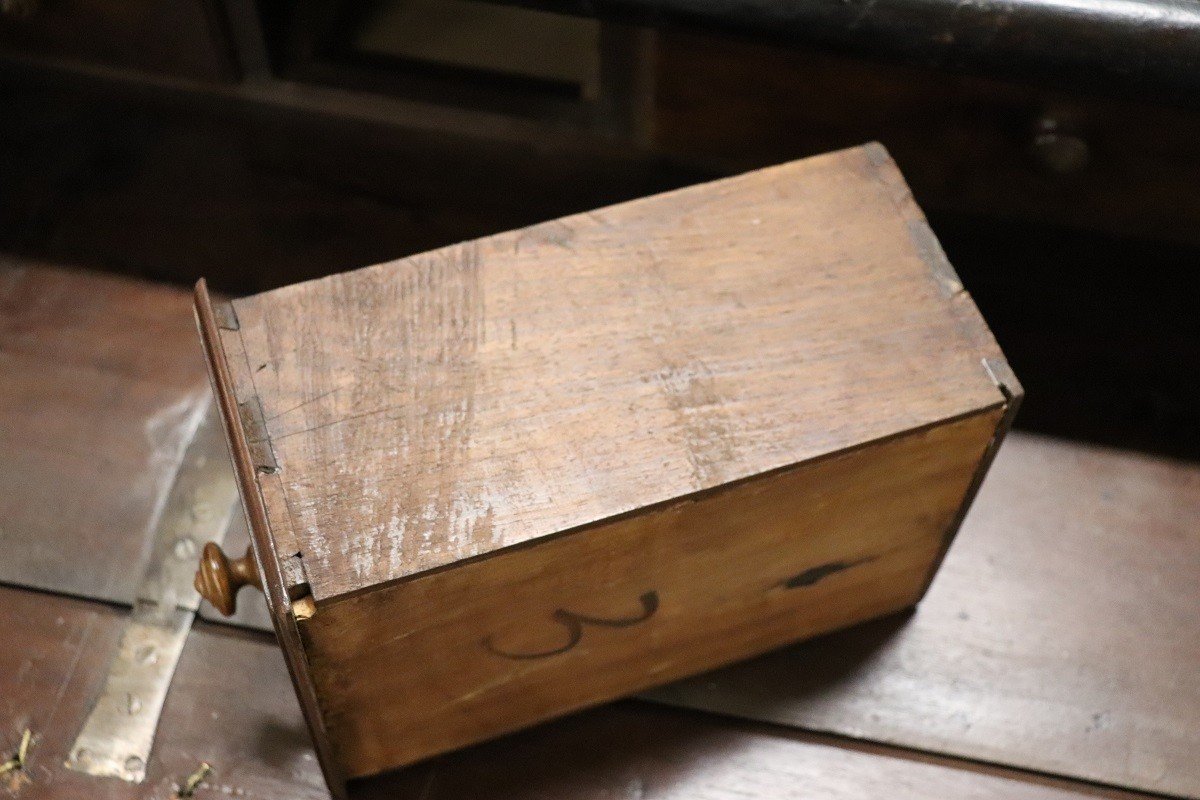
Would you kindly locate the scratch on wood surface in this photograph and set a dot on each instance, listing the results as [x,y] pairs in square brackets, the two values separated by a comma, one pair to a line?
[416,336]
[66,681]
[304,403]
[692,396]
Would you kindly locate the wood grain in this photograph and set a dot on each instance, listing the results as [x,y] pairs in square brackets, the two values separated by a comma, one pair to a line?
[629,751]
[231,704]
[459,655]
[482,396]
[1061,635]
[103,384]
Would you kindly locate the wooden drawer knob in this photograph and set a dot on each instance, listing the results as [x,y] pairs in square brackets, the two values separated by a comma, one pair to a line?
[219,578]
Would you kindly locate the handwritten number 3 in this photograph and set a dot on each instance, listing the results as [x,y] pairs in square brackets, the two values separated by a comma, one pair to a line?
[574,624]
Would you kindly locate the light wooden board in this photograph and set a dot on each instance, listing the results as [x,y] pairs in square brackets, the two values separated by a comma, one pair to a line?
[1062,633]
[481,396]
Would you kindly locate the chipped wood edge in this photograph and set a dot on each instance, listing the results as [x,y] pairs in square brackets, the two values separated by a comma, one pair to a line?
[973,327]
[925,244]
[971,324]
[278,602]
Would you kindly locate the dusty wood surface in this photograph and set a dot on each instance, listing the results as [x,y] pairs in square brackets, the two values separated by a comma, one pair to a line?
[464,654]
[249,469]
[481,396]
[102,383]
[1062,634]
[231,705]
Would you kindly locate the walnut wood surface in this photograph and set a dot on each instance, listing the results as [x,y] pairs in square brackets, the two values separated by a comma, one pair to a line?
[464,654]
[231,705]
[481,396]
[102,381]
[1061,635]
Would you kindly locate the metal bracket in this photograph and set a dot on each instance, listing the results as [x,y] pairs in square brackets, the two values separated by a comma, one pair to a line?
[118,735]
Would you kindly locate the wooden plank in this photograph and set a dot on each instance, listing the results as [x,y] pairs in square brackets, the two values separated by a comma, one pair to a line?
[460,655]
[630,750]
[232,706]
[481,396]
[262,540]
[1062,633]
[103,382]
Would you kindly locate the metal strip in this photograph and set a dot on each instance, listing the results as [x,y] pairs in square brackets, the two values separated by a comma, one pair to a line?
[118,735]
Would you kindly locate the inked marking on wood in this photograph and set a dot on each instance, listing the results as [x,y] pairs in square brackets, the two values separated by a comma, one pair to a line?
[574,624]
[822,571]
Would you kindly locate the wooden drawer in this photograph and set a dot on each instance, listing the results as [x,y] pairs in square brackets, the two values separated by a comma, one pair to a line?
[183,38]
[504,480]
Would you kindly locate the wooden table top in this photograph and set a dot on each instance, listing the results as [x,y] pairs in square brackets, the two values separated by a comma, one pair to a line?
[1056,652]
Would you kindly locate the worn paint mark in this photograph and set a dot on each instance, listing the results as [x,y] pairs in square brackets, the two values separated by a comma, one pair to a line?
[814,575]
[555,232]
[573,623]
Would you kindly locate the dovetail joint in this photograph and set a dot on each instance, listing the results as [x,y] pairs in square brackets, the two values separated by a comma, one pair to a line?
[257,440]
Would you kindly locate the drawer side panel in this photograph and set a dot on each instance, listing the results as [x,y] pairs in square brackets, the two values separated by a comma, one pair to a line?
[456,656]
